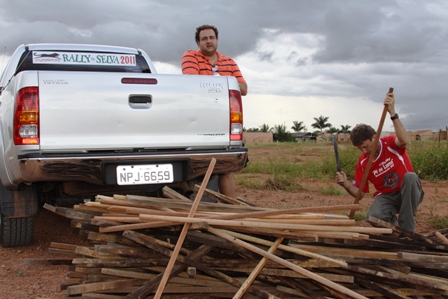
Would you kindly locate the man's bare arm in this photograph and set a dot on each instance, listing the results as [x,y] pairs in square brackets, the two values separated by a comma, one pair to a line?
[341,177]
[402,139]
[243,88]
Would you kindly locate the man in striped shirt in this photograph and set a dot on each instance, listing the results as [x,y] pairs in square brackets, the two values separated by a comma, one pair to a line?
[208,61]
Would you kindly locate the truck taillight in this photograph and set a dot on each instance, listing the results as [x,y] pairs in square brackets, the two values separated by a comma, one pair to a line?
[236,115]
[26,117]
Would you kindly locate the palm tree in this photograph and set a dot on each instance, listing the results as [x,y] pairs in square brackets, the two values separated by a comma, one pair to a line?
[345,129]
[265,128]
[280,134]
[332,130]
[321,123]
[298,126]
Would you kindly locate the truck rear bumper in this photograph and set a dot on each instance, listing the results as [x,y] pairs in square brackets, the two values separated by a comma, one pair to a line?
[92,168]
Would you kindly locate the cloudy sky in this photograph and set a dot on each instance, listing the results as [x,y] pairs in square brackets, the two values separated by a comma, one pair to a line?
[301,58]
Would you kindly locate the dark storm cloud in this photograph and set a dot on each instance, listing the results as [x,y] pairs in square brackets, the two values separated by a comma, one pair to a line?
[393,42]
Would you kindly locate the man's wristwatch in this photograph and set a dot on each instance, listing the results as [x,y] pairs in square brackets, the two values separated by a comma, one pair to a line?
[394,117]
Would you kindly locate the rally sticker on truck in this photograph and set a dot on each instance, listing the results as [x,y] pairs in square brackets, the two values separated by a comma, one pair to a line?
[83,58]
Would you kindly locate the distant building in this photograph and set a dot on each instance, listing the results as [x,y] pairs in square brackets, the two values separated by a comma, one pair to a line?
[303,137]
[257,137]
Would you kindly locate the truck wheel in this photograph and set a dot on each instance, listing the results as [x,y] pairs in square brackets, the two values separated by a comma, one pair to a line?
[17,231]
[17,210]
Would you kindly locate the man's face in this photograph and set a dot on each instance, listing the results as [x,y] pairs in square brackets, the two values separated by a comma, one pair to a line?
[208,43]
[367,146]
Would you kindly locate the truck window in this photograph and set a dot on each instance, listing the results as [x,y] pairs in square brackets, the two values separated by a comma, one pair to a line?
[82,62]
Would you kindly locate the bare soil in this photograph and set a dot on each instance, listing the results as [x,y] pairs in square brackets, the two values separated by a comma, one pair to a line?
[21,280]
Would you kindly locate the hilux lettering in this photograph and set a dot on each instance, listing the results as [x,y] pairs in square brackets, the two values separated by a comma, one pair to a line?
[212,87]
[56,81]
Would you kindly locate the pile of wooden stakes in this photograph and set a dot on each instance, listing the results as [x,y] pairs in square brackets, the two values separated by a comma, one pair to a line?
[173,247]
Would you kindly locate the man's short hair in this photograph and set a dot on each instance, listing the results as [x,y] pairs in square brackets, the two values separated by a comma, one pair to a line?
[203,27]
[361,133]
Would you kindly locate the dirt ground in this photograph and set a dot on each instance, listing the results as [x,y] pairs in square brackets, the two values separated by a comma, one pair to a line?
[21,280]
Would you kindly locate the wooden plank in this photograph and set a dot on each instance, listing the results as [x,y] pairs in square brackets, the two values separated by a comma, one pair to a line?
[126,251]
[291,249]
[288,264]
[332,251]
[101,286]
[273,212]
[422,257]
[118,263]
[170,193]
[155,244]
[441,237]
[136,226]
[63,246]
[261,225]
[383,289]
[85,251]
[147,288]
[412,235]
[242,290]
[220,197]
[400,277]
[300,235]
[292,274]
[155,202]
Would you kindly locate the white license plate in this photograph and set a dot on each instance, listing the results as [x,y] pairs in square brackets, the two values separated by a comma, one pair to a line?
[144,174]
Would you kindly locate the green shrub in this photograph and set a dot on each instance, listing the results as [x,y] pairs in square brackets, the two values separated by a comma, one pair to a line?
[430,160]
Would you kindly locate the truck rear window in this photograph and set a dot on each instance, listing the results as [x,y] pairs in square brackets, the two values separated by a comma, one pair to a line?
[82,62]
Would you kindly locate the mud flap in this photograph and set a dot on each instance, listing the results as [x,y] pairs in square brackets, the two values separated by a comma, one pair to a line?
[212,185]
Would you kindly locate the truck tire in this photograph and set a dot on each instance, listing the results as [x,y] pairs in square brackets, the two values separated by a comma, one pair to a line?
[17,231]
[17,211]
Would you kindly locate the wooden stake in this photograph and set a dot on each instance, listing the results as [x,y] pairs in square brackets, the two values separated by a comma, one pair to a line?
[442,238]
[256,271]
[184,232]
[371,157]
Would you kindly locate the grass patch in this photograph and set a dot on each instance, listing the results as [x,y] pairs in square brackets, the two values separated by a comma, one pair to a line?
[428,158]
[360,215]
[332,190]
[438,222]
[276,181]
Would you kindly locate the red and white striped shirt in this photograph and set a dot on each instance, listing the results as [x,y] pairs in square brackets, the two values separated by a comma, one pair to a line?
[194,63]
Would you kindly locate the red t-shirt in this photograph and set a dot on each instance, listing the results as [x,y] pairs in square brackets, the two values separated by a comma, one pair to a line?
[387,171]
[194,63]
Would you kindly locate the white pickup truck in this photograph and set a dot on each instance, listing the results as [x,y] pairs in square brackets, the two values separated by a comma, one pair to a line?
[81,120]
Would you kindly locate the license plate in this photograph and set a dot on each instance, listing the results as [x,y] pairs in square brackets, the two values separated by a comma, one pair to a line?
[144,174]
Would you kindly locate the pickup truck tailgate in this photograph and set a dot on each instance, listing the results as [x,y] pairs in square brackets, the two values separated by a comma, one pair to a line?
[91,111]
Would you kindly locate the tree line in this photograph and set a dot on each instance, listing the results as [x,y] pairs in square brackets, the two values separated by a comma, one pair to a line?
[281,133]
